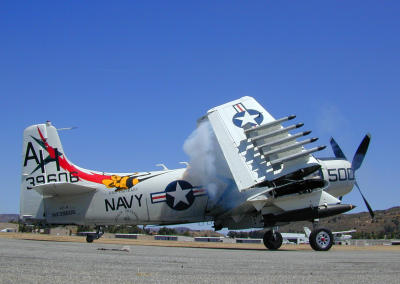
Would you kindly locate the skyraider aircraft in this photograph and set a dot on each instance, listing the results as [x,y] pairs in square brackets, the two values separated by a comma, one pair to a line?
[257,175]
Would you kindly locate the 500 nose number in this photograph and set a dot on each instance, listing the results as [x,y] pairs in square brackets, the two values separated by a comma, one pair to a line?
[341,174]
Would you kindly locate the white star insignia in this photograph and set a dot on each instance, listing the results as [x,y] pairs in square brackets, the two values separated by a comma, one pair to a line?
[248,118]
[179,195]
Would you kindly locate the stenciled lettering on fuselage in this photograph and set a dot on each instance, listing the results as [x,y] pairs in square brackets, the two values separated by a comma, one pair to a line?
[246,116]
[123,202]
[63,213]
[179,195]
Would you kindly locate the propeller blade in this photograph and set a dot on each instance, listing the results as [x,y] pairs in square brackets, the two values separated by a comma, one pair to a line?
[336,149]
[360,153]
[371,212]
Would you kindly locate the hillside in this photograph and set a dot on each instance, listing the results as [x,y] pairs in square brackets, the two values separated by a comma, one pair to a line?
[5,218]
[386,222]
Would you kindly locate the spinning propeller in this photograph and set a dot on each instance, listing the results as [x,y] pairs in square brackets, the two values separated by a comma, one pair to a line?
[356,163]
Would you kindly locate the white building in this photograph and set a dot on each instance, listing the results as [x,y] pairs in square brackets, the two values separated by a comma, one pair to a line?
[293,238]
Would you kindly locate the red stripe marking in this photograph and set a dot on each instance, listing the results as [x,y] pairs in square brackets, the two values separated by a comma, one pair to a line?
[159,197]
[239,107]
[64,163]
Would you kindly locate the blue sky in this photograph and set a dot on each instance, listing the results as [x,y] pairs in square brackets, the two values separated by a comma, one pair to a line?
[134,77]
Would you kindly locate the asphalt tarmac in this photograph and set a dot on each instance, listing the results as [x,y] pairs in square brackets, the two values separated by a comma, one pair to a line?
[27,261]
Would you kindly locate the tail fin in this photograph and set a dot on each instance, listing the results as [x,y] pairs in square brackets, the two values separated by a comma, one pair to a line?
[41,148]
[45,170]
[38,167]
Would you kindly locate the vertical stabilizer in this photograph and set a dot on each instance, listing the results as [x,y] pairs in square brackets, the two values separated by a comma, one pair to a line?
[43,164]
[38,167]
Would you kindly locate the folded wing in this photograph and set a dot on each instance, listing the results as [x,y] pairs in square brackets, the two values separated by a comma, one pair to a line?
[259,150]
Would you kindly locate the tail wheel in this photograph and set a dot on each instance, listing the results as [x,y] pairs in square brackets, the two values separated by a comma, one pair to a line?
[321,239]
[89,238]
[272,240]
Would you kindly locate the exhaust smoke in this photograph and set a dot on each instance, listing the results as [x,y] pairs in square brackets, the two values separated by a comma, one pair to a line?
[206,161]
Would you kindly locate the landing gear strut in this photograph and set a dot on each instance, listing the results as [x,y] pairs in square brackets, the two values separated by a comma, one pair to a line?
[321,239]
[272,240]
[95,236]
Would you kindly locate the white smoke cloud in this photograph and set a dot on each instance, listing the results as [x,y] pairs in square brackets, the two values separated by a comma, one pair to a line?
[206,160]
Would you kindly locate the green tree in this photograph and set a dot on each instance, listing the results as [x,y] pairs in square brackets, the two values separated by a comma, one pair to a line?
[167,231]
[82,228]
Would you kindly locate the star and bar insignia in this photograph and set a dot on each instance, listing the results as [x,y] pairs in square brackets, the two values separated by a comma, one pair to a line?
[245,116]
[179,195]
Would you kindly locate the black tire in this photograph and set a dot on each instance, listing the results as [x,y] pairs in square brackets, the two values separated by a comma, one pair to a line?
[321,239]
[272,241]
[89,238]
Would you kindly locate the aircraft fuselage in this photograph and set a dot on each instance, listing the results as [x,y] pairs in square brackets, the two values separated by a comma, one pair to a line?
[146,203]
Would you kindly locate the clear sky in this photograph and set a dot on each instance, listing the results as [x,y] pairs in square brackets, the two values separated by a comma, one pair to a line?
[134,76]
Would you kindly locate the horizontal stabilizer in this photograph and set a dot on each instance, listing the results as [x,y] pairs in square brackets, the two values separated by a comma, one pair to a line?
[62,189]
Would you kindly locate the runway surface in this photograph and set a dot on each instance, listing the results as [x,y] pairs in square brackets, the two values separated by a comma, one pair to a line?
[30,261]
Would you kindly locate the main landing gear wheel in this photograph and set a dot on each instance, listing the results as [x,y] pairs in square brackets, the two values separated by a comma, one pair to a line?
[321,239]
[272,240]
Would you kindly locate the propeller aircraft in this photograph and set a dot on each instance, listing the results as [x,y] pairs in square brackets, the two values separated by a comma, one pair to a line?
[254,172]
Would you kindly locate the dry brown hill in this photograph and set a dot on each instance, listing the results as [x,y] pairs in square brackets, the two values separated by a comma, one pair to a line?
[9,218]
[386,222]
